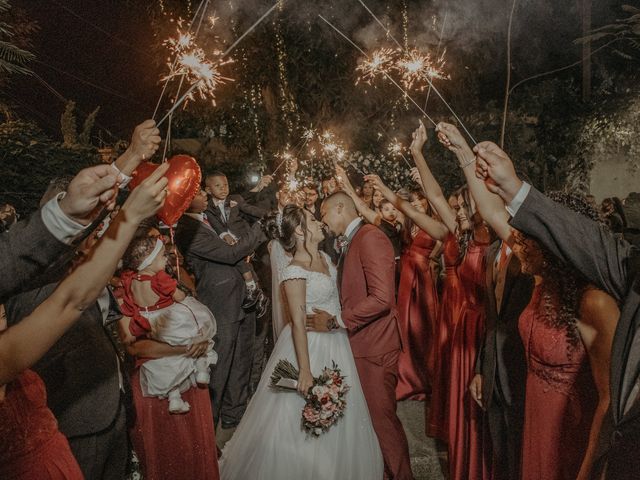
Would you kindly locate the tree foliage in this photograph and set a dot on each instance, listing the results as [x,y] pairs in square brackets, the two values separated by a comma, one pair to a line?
[29,159]
[13,59]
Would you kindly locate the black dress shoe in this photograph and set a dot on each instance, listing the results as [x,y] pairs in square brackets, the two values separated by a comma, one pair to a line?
[263,305]
[251,298]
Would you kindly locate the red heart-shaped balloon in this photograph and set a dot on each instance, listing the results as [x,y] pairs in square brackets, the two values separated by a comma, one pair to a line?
[184,177]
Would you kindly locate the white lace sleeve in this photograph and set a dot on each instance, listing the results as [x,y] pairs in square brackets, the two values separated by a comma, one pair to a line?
[294,272]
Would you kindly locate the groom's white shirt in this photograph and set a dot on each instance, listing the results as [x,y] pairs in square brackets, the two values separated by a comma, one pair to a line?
[348,231]
[352,226]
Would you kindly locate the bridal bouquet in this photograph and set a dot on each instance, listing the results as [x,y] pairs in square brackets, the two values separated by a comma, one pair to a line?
[325,401]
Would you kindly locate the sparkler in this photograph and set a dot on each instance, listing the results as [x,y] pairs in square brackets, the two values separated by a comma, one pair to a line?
[194,64]
[395,148]
[201,7]
[431,85]
[415,66]
[381,61]
[382,71]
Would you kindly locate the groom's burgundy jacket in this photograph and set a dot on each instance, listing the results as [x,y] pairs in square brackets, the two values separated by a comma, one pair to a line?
[367,294]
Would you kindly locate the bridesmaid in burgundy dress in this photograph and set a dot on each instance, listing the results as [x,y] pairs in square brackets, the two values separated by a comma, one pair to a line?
[469,450]
[463,321]
[567,330]
[417,296]
[451,300]
[31,446]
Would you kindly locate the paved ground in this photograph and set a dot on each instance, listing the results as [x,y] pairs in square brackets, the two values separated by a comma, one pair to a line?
[428,459]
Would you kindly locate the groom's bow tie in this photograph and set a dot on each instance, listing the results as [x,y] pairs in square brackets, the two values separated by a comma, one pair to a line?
[341,243]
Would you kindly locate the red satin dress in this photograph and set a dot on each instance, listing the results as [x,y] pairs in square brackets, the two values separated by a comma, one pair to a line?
[168,446]
[452,298]
[417,310]
[561,398]
[469,444]
[31,446]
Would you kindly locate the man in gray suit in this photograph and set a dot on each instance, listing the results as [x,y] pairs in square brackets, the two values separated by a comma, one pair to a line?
[608,263]
[220,287]
[501,368]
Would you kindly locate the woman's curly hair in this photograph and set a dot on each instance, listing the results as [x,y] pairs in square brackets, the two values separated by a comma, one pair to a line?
[282,226]
[563,285]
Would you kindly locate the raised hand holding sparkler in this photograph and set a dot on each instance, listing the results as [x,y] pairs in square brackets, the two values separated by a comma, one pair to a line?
[452,139]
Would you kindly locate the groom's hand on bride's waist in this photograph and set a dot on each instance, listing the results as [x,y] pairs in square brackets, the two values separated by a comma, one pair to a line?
[321,321]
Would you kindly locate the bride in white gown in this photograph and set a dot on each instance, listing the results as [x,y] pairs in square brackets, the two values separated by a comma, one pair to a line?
[270,443]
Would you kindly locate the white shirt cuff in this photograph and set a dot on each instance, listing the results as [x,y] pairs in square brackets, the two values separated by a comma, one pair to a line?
[224,234]
[340,322]
[62,227]
[519,199]
[123,178]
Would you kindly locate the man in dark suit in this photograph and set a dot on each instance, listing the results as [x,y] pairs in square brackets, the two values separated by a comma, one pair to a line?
[610,264]
[84,385]
[220,287]
[501,368]
[229,216]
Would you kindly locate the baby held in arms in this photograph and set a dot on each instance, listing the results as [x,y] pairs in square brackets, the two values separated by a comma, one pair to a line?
[159,311]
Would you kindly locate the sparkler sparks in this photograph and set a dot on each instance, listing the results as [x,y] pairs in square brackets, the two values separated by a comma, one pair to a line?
[414,66]
[380,61]
[199,71]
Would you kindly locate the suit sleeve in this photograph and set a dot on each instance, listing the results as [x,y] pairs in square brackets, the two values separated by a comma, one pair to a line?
[576,240]
[25,252]
[377,259]
[248,209]
[212,248]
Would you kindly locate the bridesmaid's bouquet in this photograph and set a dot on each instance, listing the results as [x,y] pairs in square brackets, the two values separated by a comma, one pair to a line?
[325,400]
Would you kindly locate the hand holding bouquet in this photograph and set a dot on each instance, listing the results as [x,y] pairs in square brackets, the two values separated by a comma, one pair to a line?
[325,401]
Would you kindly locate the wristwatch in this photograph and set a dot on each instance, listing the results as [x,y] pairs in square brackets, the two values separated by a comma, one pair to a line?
[332,324]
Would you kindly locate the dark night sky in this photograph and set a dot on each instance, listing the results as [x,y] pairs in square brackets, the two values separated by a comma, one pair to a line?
[101,59]
[98,53]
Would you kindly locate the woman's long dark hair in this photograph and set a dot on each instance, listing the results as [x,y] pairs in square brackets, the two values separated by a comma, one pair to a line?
[464,237]
[282,227]
[563,285]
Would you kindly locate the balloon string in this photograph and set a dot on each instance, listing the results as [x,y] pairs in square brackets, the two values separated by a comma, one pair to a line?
[175,252]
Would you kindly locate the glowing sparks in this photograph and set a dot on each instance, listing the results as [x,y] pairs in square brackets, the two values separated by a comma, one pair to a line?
[395,148]
[191,63]
[308,134]
[380,62]
[412,66]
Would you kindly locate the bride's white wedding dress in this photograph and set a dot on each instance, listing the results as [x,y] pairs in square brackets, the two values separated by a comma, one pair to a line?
[270,444]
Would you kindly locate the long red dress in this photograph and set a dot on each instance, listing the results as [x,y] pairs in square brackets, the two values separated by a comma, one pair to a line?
[451,300]
[31,446]
[417,309]
[561,398]
[469,444]
[168,446]
[174,446]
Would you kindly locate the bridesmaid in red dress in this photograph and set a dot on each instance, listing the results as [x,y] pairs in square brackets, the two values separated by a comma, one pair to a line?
[463,320]
[169,446]
[469,450]
[451,300]
[417,297]
[31,446]
[567,331]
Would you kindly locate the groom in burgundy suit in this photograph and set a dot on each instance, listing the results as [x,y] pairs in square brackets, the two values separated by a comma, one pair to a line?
[366,280]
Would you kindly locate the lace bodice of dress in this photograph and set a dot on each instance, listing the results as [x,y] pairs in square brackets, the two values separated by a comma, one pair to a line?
[322,289]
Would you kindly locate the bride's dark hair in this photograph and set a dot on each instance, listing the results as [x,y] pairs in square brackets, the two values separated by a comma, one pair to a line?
[282,227]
